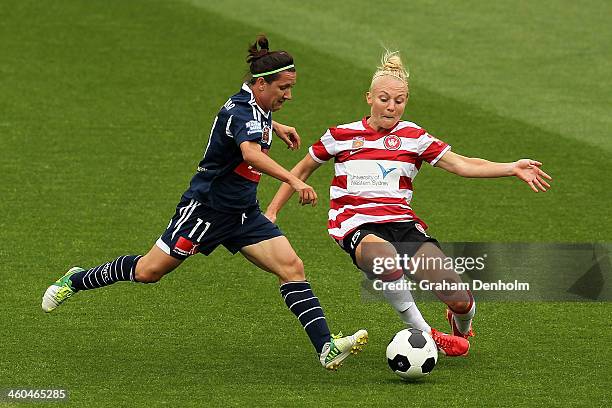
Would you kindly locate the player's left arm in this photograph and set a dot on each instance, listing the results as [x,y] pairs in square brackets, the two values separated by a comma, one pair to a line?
[525,169]
[287,134]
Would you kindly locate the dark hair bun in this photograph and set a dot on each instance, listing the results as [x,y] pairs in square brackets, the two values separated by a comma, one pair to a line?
[258,49]
[261,60]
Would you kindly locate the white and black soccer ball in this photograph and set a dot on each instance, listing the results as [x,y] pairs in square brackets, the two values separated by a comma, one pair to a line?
[412,354]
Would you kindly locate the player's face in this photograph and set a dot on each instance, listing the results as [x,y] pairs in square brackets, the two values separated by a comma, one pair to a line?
[387,100]
[273,95]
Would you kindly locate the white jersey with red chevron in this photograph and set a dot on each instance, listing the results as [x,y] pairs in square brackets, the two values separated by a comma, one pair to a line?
[374,172]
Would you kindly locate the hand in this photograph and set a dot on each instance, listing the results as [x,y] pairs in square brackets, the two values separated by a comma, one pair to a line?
[288,135]
[529,171]
[307,193]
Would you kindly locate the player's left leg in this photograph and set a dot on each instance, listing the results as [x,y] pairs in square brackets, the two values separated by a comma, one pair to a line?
[276,255]
[167,253]
[369,248]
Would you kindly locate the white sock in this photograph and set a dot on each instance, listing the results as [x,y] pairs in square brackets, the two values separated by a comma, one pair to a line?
[464,321]
[403,302]
[413,317]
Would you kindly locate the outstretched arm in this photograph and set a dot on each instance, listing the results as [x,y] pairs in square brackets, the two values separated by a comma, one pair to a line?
[302,171]
[525,169]
[252,154]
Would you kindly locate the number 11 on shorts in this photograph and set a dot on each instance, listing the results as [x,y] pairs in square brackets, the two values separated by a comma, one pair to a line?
[206,226]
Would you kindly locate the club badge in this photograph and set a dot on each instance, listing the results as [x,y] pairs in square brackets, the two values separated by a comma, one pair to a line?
[265,135]
[358,142]
[392,142]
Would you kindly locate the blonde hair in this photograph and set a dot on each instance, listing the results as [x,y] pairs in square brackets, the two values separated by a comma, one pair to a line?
[391,65]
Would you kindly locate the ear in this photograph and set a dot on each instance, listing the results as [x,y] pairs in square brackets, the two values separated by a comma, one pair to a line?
[368,96]
[260,83]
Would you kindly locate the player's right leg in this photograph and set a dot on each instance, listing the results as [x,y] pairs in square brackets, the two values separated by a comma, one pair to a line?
[371,247]
[135,268]
[368,249]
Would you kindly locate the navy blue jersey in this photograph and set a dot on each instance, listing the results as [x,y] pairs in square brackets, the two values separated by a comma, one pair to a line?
[224,181]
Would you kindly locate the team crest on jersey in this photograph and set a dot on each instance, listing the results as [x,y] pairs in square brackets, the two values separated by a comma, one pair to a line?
[392,142]
[265,135]
[358,142]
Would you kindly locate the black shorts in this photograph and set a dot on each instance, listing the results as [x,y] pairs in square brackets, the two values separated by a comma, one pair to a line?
[197,228]
[406,237]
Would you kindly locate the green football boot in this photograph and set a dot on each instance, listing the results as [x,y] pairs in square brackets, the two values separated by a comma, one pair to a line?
[339,348]
[60,291]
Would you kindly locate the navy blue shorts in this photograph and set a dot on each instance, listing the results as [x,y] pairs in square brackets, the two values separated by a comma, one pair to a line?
[197,228]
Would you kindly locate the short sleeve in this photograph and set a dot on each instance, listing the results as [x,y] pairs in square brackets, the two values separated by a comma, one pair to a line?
[431,149]
[244,129]
[324,149]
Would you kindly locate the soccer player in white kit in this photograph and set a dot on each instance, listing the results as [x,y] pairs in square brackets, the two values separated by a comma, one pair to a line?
[376,160]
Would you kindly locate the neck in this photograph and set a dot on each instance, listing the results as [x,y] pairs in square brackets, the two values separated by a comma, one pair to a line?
[258,99]
[374,125]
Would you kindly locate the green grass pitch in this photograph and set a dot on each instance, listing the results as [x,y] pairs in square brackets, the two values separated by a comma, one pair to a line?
[105,107]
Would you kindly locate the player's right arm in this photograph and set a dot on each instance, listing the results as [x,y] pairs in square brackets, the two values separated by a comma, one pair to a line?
[252,154]
[302,171]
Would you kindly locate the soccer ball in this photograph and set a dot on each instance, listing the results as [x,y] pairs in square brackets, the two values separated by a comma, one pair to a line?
[412,354]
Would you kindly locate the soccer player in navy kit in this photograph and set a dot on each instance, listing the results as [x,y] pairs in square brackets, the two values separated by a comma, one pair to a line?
[220,208]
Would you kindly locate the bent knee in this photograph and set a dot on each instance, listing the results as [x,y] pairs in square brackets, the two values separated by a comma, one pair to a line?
[148,273]
[147,277]
[293,270]
[378,264]
[459,306]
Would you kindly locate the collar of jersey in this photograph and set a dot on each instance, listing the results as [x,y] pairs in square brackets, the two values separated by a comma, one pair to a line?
[245,87]
[364,121]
